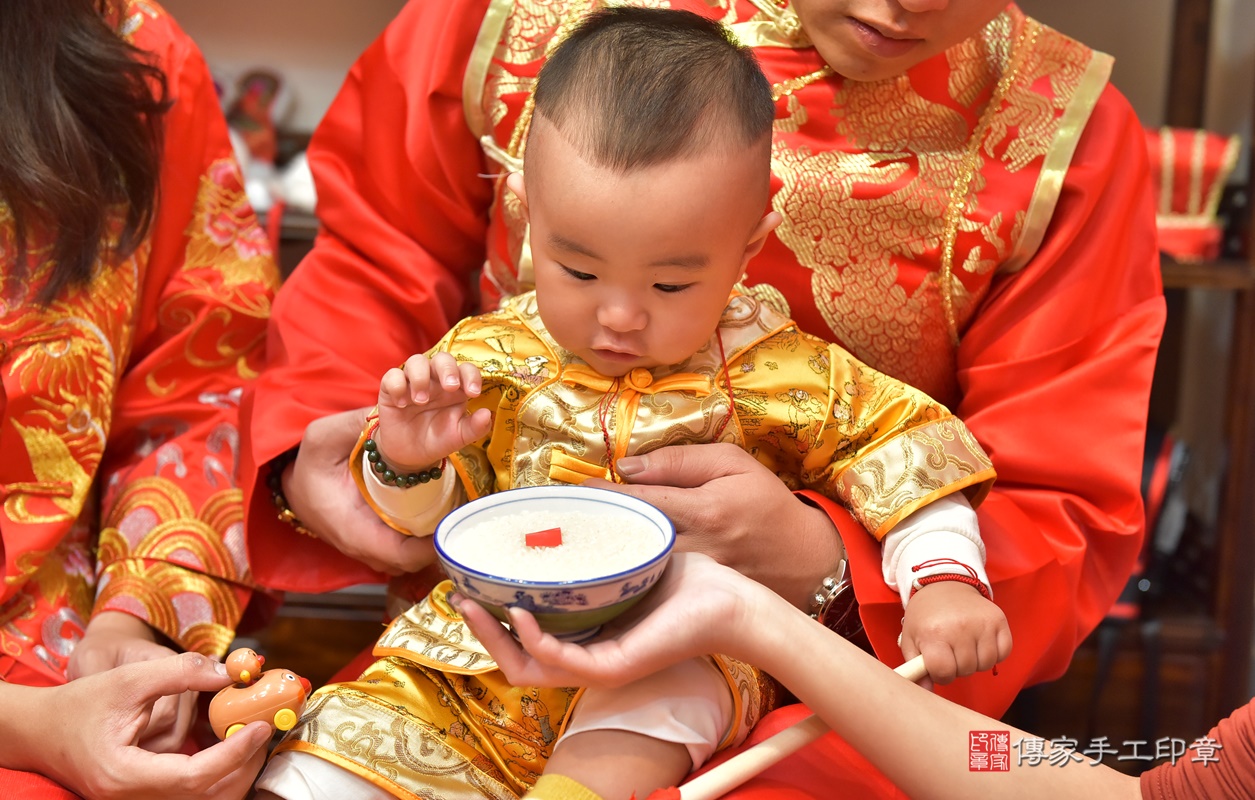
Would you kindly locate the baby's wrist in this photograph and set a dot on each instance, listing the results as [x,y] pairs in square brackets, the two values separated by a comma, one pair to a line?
[394,475]
[945,570]
[383,464]
[395,464]
[374,433]
[950,577]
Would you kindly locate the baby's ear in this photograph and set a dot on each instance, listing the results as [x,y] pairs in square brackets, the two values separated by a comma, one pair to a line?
[514,181]
[759,236]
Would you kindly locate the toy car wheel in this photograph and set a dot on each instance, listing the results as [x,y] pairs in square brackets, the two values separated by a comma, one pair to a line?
[232,729]
[285,719]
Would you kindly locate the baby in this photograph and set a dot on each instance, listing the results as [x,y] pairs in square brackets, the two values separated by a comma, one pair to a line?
[644,193]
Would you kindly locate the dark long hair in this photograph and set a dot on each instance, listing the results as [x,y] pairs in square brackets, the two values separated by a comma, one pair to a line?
[80,134]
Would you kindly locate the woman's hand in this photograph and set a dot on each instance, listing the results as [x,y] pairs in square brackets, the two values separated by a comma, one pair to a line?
[321,492]
[727,505]
[114,638]
[697,607]
[85,734]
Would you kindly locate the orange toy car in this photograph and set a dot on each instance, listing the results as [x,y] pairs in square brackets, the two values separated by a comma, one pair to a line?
[276,696]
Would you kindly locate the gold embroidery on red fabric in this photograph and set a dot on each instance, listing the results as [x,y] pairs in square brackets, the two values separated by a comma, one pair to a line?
[62,366]
[795,117]
[787,87]
[27,564]
[226,251]
[65,358]
[161,595]
[46,501]
[153,518]
[976,63]
[1032,117]
[528,33]
[53,581]
[849,236]
[132,18]
[848,245]
[779,24]
[959,194]
[160,554]
[854,217]
[224,236]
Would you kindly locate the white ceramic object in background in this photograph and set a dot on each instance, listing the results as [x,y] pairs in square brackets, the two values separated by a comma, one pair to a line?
[571,610]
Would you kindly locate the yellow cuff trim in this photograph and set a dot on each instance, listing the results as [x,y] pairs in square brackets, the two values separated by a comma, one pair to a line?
[560,787]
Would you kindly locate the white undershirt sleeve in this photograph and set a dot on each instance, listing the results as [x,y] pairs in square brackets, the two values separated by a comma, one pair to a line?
[416,509]
[930,541]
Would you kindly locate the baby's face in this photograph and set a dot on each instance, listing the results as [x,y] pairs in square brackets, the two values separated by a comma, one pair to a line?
[634,270]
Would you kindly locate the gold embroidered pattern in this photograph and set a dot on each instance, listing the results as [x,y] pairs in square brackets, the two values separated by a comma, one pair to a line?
[431,633]
[422,727]
[156,547]
[61,483]
[769,296]
[875,214]
[958,196]
[913,469]
[864,174]
[226,252]
[224,236]
[787,87]
[390,742]
[545,405]
[1034,118]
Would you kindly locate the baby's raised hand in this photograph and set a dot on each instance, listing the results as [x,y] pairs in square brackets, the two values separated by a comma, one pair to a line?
[956,629]
[422,411]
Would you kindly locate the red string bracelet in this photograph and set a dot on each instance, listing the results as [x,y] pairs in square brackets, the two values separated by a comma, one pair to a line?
[971,578]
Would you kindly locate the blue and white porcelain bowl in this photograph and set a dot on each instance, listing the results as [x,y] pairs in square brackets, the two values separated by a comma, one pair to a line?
[573,610]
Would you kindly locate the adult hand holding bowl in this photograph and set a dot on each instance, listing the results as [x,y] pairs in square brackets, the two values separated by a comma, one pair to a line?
[609,552]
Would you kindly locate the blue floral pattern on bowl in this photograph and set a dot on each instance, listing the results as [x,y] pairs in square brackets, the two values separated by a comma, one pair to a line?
[571,610]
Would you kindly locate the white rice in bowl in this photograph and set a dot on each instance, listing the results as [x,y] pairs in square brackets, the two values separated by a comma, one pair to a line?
[593,545]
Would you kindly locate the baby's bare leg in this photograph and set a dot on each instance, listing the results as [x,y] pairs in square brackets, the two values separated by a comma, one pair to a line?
[645,736]
[616,764]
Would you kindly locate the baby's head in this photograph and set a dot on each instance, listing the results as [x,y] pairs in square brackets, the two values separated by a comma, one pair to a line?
[647,179]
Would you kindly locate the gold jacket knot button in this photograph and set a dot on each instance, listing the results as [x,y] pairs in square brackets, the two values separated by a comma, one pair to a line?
[639,379]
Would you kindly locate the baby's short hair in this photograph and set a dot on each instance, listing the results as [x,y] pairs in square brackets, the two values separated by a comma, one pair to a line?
[634,87]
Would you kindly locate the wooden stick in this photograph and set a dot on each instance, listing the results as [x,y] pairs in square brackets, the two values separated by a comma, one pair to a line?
[740,768]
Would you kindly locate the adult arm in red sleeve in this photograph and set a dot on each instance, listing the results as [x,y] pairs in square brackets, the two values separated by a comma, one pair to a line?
[402,202]
[1055,373]
[1220,764]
